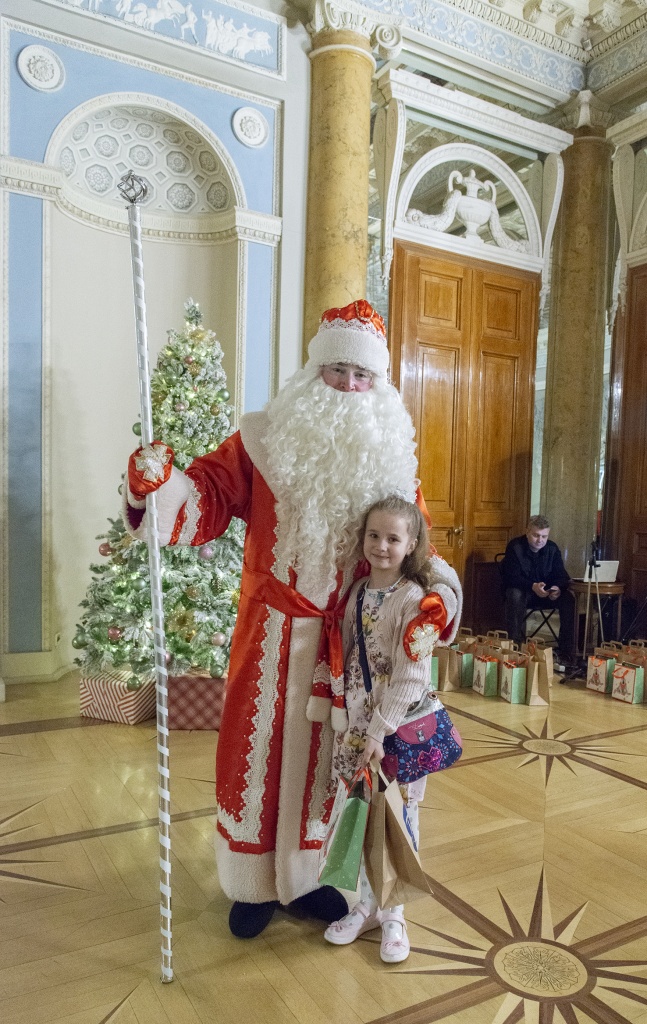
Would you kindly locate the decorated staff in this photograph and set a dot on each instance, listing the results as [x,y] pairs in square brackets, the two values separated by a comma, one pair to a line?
[134,191]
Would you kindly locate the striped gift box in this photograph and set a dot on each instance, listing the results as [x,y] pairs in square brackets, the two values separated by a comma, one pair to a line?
[106,696]
[195,702]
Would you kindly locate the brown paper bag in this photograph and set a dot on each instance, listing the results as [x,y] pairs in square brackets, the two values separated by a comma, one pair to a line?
[390,858]
[446,679]
[538,681]
[499,638]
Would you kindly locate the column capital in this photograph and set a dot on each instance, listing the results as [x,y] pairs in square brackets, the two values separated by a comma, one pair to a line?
[346,16]
[583,110]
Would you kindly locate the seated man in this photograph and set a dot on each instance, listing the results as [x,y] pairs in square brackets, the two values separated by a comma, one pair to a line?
[534,577]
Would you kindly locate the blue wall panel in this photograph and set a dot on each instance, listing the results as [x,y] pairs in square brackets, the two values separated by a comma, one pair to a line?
[25,423]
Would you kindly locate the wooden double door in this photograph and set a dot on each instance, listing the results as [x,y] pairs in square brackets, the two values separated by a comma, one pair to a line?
[463,339]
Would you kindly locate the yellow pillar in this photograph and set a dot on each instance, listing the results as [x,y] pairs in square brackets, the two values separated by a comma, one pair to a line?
[575,367]
[337,212]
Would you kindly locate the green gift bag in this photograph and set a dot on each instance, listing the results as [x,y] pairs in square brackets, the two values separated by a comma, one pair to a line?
[434,672]
[485,675]
[341,853]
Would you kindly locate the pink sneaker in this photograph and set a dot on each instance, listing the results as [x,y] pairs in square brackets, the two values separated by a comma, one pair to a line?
[361,919]
[395,946]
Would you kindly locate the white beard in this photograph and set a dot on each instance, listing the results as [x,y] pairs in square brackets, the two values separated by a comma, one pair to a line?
[331,455]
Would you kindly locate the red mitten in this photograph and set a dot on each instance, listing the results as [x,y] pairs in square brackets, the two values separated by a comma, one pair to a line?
[149,468]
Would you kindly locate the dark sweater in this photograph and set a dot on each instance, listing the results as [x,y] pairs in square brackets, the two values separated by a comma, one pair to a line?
[521,566]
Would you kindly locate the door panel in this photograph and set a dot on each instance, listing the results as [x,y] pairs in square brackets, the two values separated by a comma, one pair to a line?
[463,347]
[625,508]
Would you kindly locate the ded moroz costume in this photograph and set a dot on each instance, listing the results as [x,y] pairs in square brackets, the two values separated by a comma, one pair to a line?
[312,452]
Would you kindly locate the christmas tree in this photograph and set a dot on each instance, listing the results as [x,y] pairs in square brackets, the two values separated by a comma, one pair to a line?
[200,585]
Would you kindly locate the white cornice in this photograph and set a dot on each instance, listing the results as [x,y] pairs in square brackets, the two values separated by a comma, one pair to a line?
[460,109]
[631,130]
[49,183]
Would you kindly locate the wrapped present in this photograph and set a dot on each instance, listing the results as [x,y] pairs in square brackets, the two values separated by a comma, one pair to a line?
[486,673]
[115,697]
[599,673]
[513,678]
[628,683]
[195,701]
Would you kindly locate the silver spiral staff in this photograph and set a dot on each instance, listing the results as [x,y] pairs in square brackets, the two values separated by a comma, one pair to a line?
[134,190]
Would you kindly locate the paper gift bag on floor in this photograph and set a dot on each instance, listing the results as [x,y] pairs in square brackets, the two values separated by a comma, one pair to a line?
[499,638]
[486,675]
[341,853]
[628,683]
[599,673]
[540,672]
[513,678]
[390,856]
[461,667]
[445,682]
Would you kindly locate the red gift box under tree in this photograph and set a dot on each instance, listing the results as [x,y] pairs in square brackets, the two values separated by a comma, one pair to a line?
[195,701]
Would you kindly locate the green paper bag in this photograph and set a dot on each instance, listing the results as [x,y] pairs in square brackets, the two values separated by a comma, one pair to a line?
[486,675]
[341,853]
[434,672]
[513,682]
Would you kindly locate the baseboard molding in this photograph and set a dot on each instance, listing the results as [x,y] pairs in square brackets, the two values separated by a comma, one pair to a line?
[36,667]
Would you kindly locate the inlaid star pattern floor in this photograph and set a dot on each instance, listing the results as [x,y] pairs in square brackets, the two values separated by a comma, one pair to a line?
[535,845]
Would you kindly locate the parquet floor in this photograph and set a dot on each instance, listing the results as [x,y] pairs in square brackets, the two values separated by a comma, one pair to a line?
[536,844]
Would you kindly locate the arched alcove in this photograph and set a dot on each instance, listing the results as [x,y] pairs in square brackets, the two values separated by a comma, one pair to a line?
[191,247]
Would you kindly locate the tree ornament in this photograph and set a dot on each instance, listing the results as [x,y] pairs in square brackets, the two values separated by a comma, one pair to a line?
[235,598]
[168,657]
[188,360]
[218,639]
[193,593]
[206,552]
[120,489]
[223,395]
[105,549]
[134,683]
[79,642]
[140,584]
[215,409]
[216,672]
[137,429]
[195,369]
[180,406]
[114,633]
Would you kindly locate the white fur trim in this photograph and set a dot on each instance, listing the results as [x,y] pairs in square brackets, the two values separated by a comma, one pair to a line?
[253,429]
[248,877]
[318,709]
[339,719]
[446,576]
[349,345]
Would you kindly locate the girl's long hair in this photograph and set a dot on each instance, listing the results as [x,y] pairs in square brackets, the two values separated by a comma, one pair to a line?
[415,566]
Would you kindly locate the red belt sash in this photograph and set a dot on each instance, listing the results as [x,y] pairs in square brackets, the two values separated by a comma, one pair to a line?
[268,590]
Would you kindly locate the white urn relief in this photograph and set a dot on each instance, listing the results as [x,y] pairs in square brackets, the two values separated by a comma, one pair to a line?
[473,212]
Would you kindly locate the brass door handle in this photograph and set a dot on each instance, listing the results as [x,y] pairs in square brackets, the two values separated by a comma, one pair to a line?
[458,530]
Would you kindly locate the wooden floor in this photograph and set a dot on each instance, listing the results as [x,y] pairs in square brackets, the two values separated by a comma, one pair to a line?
[535,842]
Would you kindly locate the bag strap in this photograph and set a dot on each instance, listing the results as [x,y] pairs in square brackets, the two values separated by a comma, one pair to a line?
[361,646]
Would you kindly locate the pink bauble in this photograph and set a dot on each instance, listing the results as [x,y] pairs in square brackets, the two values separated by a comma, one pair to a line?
[218,639]
[114,633]
[206,552]
[105,549]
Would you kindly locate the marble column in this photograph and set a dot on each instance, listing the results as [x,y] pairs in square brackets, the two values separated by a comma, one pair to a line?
[337,212]
[574,376]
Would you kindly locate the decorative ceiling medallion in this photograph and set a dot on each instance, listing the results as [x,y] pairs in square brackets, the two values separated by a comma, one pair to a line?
[250,127]
[40,68]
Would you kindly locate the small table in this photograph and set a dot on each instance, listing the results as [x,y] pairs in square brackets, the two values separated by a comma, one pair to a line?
[607,591]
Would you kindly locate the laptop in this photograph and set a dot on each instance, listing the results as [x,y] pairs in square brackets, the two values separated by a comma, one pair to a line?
[606,572]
